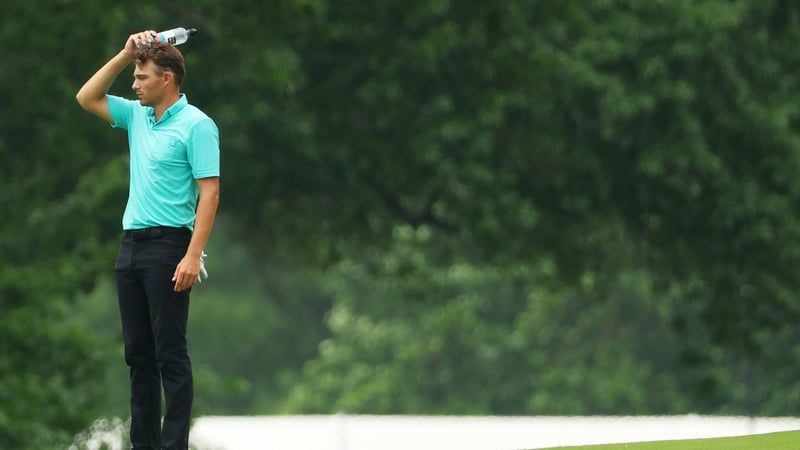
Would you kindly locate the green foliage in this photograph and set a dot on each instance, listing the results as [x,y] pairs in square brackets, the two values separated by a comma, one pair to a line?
[490,341]
[509,200]
[251,327]
[43,390]
[604,139]
[522,128]
[59,201]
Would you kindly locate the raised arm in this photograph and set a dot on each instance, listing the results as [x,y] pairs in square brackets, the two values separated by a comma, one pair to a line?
[92,96]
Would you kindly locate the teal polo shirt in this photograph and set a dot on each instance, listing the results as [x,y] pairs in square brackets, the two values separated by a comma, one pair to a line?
[166,159]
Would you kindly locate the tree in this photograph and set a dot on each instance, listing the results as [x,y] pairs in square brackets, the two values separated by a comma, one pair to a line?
[603,137]
[654,138]
[65,183]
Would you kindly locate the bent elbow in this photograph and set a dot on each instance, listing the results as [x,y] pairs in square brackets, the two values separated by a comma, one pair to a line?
[82,100]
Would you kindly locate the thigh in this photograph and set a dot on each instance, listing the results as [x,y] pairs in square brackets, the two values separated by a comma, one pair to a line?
[133,308]
[169,310]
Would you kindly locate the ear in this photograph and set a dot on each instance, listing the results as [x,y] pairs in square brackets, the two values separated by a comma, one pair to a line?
[169,77]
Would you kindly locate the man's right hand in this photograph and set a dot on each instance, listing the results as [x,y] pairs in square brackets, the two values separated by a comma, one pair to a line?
[137,40]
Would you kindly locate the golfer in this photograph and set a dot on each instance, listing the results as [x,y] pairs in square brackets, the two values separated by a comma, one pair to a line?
[172,203]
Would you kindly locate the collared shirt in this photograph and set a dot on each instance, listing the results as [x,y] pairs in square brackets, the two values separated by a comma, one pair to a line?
[166,158]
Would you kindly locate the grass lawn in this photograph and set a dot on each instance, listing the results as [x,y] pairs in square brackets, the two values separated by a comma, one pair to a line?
[773,441]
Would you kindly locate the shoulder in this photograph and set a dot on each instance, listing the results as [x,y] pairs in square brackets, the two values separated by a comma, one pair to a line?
[192,114]
[196,118]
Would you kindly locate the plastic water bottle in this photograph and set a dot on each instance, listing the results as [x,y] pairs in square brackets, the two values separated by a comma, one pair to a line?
[175,36]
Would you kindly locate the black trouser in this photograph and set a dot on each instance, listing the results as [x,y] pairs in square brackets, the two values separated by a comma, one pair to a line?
[154,319]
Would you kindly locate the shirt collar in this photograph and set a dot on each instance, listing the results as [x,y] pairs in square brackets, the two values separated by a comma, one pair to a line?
[171,111]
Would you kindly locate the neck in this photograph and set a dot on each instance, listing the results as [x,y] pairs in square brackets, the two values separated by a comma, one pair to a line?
[165,104]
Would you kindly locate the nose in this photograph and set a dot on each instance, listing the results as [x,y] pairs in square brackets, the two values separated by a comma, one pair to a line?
[134,86]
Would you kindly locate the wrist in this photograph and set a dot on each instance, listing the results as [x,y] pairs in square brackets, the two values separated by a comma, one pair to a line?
[194,254]
[128,55]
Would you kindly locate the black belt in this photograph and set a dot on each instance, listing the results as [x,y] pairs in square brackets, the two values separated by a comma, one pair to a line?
[156,232]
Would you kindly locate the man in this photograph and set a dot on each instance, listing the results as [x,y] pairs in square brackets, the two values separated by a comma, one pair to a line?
[172,203]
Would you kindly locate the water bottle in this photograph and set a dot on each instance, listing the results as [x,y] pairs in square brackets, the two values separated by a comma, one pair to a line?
[174,36]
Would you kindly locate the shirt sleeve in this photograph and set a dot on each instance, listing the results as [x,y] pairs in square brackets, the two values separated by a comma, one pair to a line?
[121,111]
[203,149]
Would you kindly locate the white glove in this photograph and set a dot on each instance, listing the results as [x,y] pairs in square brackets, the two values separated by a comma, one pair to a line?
[203,272]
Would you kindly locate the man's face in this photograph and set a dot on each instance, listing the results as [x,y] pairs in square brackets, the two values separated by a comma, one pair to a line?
[148,85]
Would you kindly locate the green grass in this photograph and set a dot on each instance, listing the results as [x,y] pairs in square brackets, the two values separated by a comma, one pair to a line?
[773,441]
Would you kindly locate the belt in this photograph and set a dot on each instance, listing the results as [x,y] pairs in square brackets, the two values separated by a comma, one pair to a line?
[142,234]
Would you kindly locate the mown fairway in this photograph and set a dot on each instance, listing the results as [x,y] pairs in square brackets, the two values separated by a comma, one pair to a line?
[773,441]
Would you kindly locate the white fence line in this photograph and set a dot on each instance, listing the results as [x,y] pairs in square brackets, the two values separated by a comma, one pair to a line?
[346,432]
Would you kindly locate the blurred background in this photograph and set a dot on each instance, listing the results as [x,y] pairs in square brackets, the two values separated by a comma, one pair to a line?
[521,207]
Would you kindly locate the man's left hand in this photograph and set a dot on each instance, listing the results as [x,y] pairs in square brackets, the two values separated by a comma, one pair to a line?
[186,274]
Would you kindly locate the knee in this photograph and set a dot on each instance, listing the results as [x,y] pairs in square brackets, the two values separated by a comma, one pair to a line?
[140,356]
[173,359]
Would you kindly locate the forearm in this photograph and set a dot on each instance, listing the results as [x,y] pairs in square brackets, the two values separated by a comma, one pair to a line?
[204,220]
[97,86]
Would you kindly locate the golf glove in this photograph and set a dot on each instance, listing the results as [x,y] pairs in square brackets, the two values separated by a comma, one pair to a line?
[203,272]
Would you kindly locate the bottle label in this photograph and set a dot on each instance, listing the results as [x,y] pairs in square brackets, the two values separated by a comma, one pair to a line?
[169,38]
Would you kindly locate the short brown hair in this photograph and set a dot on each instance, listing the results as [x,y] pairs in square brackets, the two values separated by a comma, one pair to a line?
[165,57]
